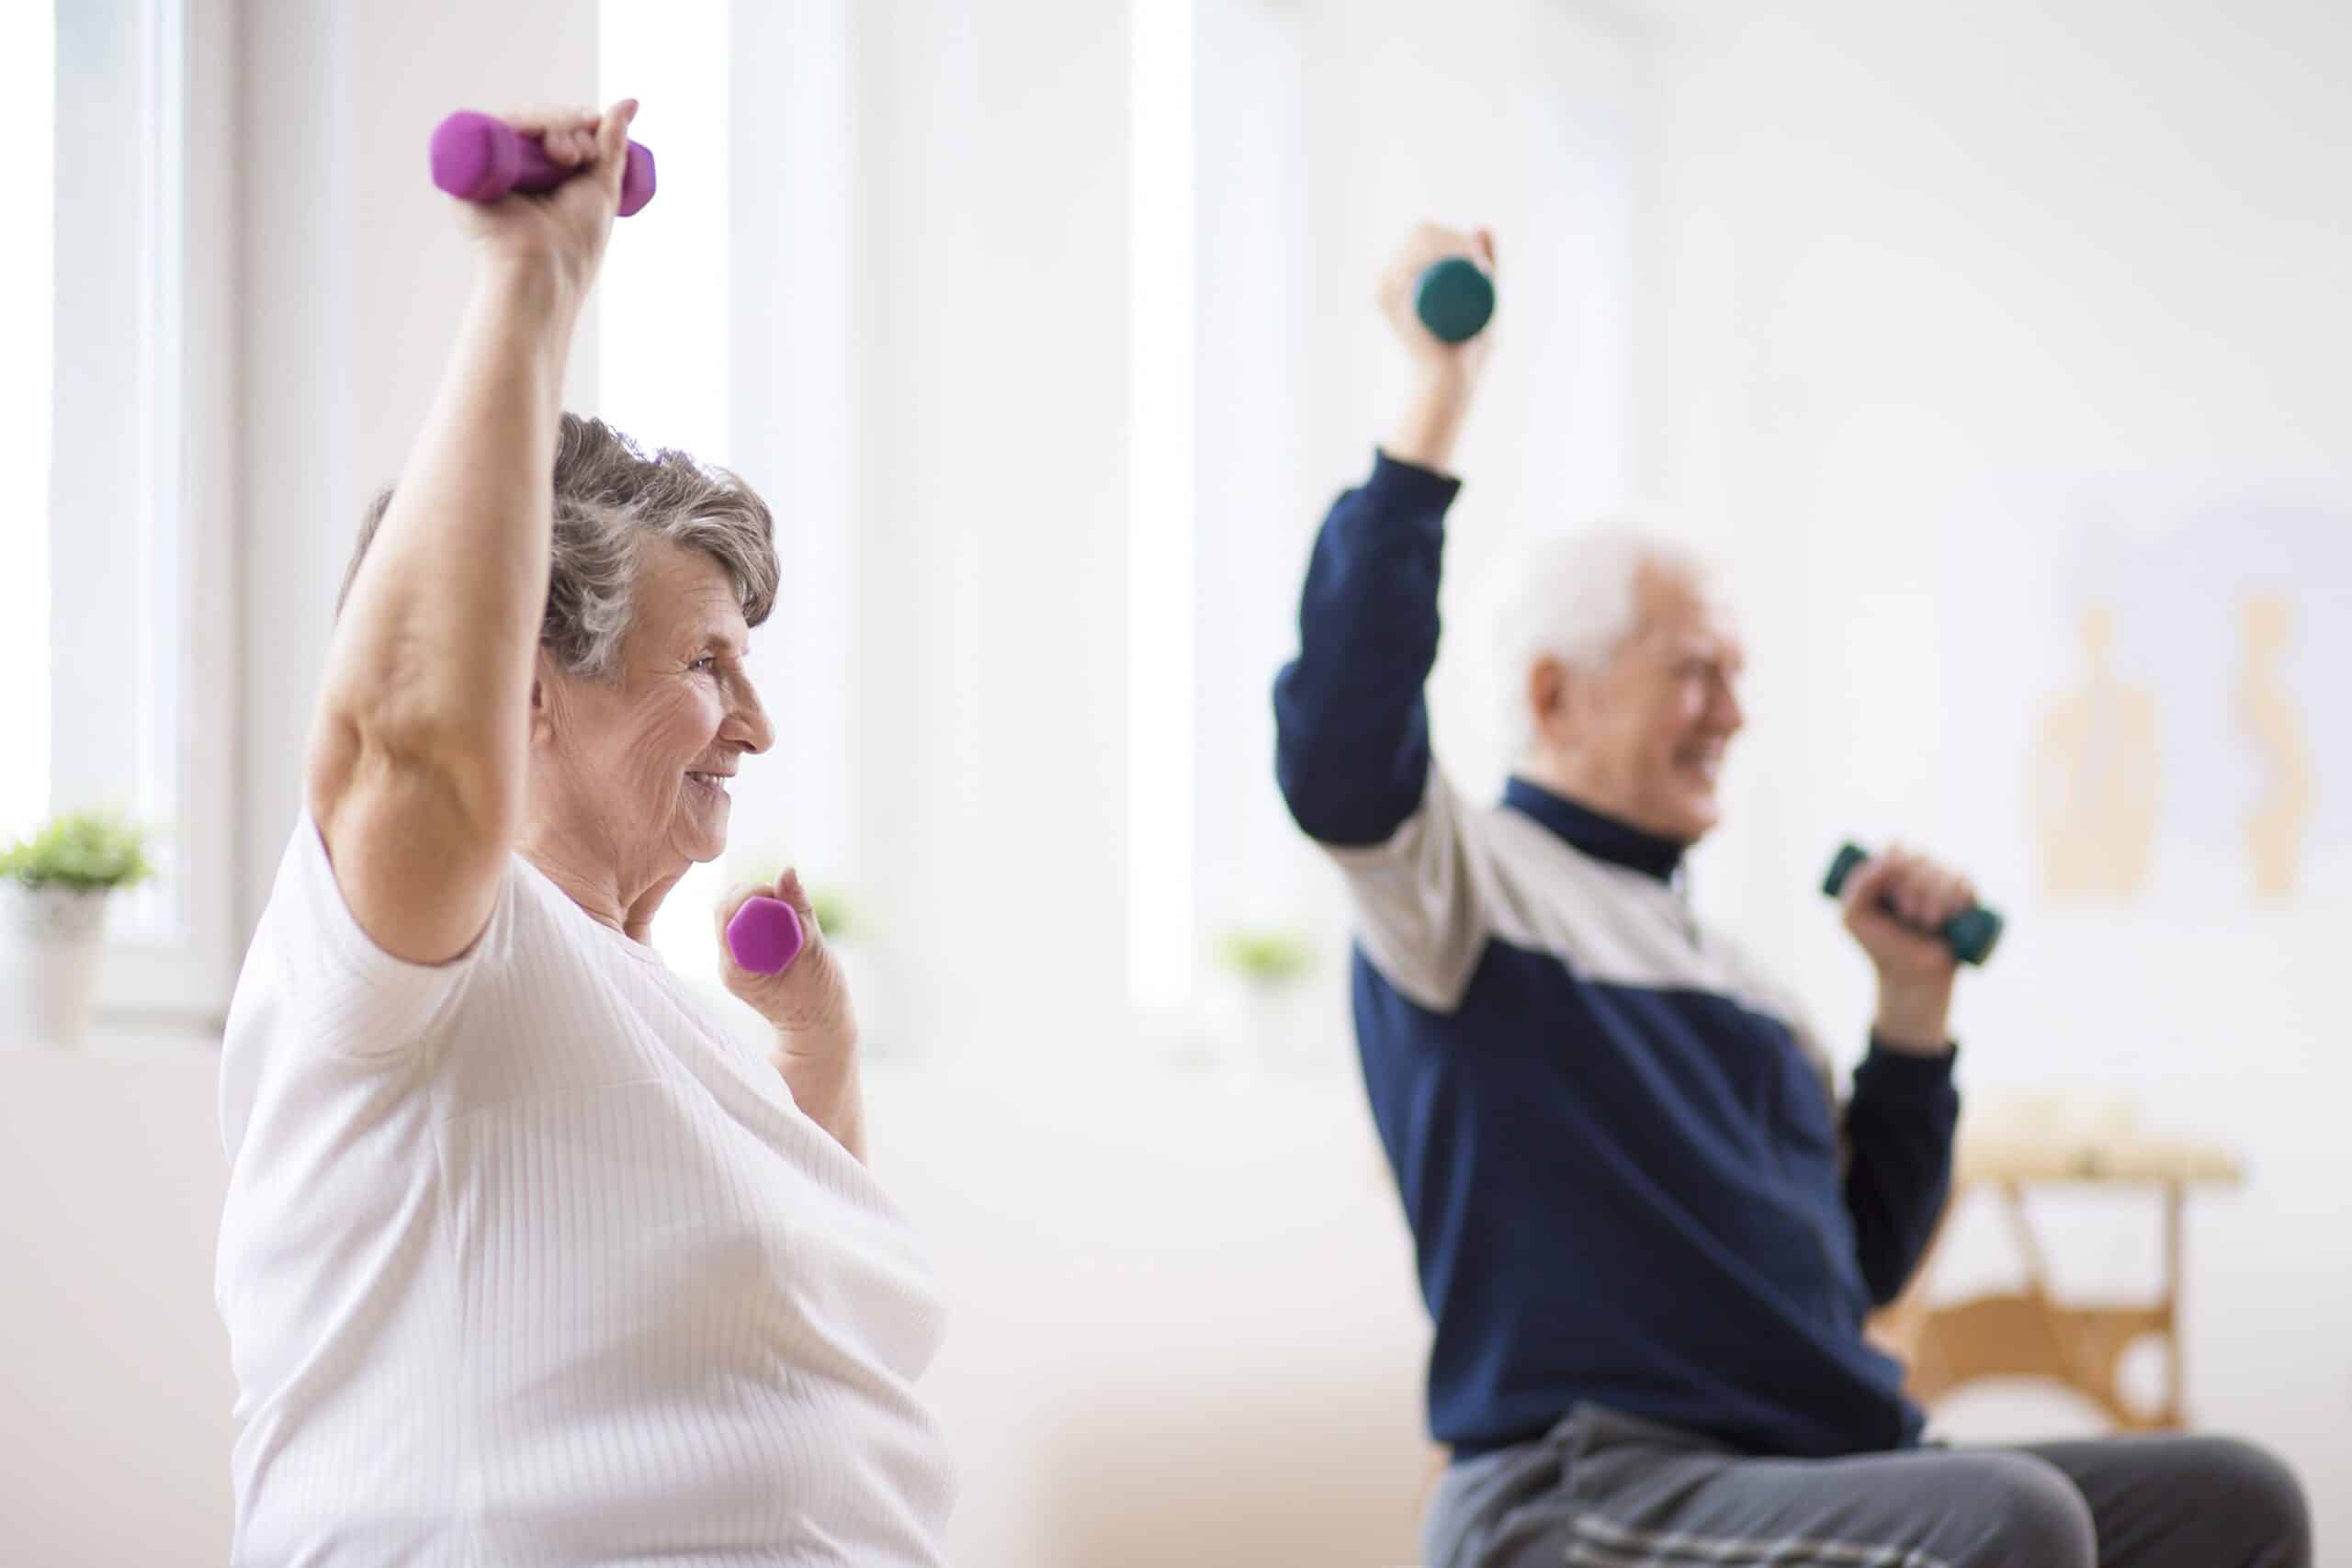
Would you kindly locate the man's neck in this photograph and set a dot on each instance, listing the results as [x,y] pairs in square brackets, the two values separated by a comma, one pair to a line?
[1577,785]
[1583,817]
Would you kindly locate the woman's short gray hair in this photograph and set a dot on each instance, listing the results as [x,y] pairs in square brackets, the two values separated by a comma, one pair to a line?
[609,498]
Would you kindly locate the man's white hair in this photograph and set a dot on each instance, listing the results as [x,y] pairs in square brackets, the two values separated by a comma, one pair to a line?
[1576,597]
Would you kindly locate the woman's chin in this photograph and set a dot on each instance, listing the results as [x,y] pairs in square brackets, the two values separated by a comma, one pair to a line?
[702,841]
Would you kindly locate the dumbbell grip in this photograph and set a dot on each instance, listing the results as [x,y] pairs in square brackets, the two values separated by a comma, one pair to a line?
[479,157]
[1972,934]
[1455,298]
[766,936]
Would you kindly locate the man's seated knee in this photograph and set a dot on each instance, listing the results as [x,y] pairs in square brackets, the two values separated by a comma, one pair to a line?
[2018,1510]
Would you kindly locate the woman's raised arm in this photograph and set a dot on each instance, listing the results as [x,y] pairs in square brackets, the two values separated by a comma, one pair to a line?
[418,752]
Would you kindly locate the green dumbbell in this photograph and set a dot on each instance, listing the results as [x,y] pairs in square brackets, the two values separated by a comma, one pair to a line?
[1972,934]
[1455,298]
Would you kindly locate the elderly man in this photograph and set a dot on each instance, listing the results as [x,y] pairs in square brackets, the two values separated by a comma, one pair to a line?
[1647,1233]
[525,1259]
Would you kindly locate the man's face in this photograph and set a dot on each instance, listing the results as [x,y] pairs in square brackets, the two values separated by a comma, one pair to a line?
[1643,738]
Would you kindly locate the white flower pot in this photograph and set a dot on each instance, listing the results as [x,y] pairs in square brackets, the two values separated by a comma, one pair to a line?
[50,941]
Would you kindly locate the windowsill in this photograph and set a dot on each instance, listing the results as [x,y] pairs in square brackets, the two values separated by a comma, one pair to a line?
[130,1042]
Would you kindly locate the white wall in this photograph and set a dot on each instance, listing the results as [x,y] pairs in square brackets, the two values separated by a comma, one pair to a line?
[1185,1328]
[115,1390]
[1922,261]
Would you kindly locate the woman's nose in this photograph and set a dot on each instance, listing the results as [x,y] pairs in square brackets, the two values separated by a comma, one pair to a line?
[748,721]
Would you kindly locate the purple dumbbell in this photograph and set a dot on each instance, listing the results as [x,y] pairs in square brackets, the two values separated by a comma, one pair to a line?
[766,936]
[479,157]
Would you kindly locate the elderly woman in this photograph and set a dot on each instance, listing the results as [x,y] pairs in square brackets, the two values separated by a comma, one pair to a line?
[525,1260]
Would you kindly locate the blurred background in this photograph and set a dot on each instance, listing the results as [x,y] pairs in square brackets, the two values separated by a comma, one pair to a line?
[1996,349]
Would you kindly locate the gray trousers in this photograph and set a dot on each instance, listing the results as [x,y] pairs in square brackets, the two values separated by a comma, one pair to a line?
[1606,1491]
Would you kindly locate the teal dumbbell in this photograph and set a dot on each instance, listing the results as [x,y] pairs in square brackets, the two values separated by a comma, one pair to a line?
[1972,934]
[1455,298]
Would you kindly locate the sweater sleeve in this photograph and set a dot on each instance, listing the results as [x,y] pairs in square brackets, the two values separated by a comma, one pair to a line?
[1351,748]
[1353,734]
[1899,1126]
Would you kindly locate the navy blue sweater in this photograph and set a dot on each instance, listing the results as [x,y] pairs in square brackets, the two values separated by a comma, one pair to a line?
[1627,1174]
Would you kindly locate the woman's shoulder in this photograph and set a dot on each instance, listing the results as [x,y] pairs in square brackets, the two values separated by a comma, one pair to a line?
[310,950]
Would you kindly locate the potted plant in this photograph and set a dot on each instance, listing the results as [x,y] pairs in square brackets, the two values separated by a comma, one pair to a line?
[1263,1015]
[53,888]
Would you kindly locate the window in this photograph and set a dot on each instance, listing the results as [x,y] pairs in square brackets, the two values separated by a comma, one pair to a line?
[1281,149]
[28,79]
[119,298]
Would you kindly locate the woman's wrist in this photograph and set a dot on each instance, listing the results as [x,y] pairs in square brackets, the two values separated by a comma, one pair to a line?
[530,292]
[525,316]
[816,1046]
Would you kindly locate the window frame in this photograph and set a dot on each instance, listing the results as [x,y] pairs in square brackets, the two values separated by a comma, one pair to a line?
[174,961]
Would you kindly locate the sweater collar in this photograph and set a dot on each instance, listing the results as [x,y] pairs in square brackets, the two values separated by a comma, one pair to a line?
[1603,838]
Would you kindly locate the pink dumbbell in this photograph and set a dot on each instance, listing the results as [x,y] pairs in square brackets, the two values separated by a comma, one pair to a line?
[764,935]
[479,157]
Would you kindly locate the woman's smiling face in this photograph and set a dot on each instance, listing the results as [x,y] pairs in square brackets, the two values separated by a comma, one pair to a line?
[643,760]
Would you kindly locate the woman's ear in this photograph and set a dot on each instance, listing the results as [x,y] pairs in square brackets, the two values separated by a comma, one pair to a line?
[542,707]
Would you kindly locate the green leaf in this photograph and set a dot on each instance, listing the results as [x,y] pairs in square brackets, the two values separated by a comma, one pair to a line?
[834,916]
[1265,957]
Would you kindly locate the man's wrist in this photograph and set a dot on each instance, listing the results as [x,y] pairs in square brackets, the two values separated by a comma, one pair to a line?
[1913,1019]
[1425,437]
[1443,380]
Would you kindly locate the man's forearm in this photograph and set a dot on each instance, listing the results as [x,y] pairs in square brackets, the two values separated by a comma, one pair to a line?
[1431,424]
[825,1082]
[1898,1130]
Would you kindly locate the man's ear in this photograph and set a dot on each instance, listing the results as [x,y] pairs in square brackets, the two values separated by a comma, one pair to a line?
[1548,680]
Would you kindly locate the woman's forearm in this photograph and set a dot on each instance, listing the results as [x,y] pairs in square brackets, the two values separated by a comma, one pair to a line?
[828,1087]
[434,650]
